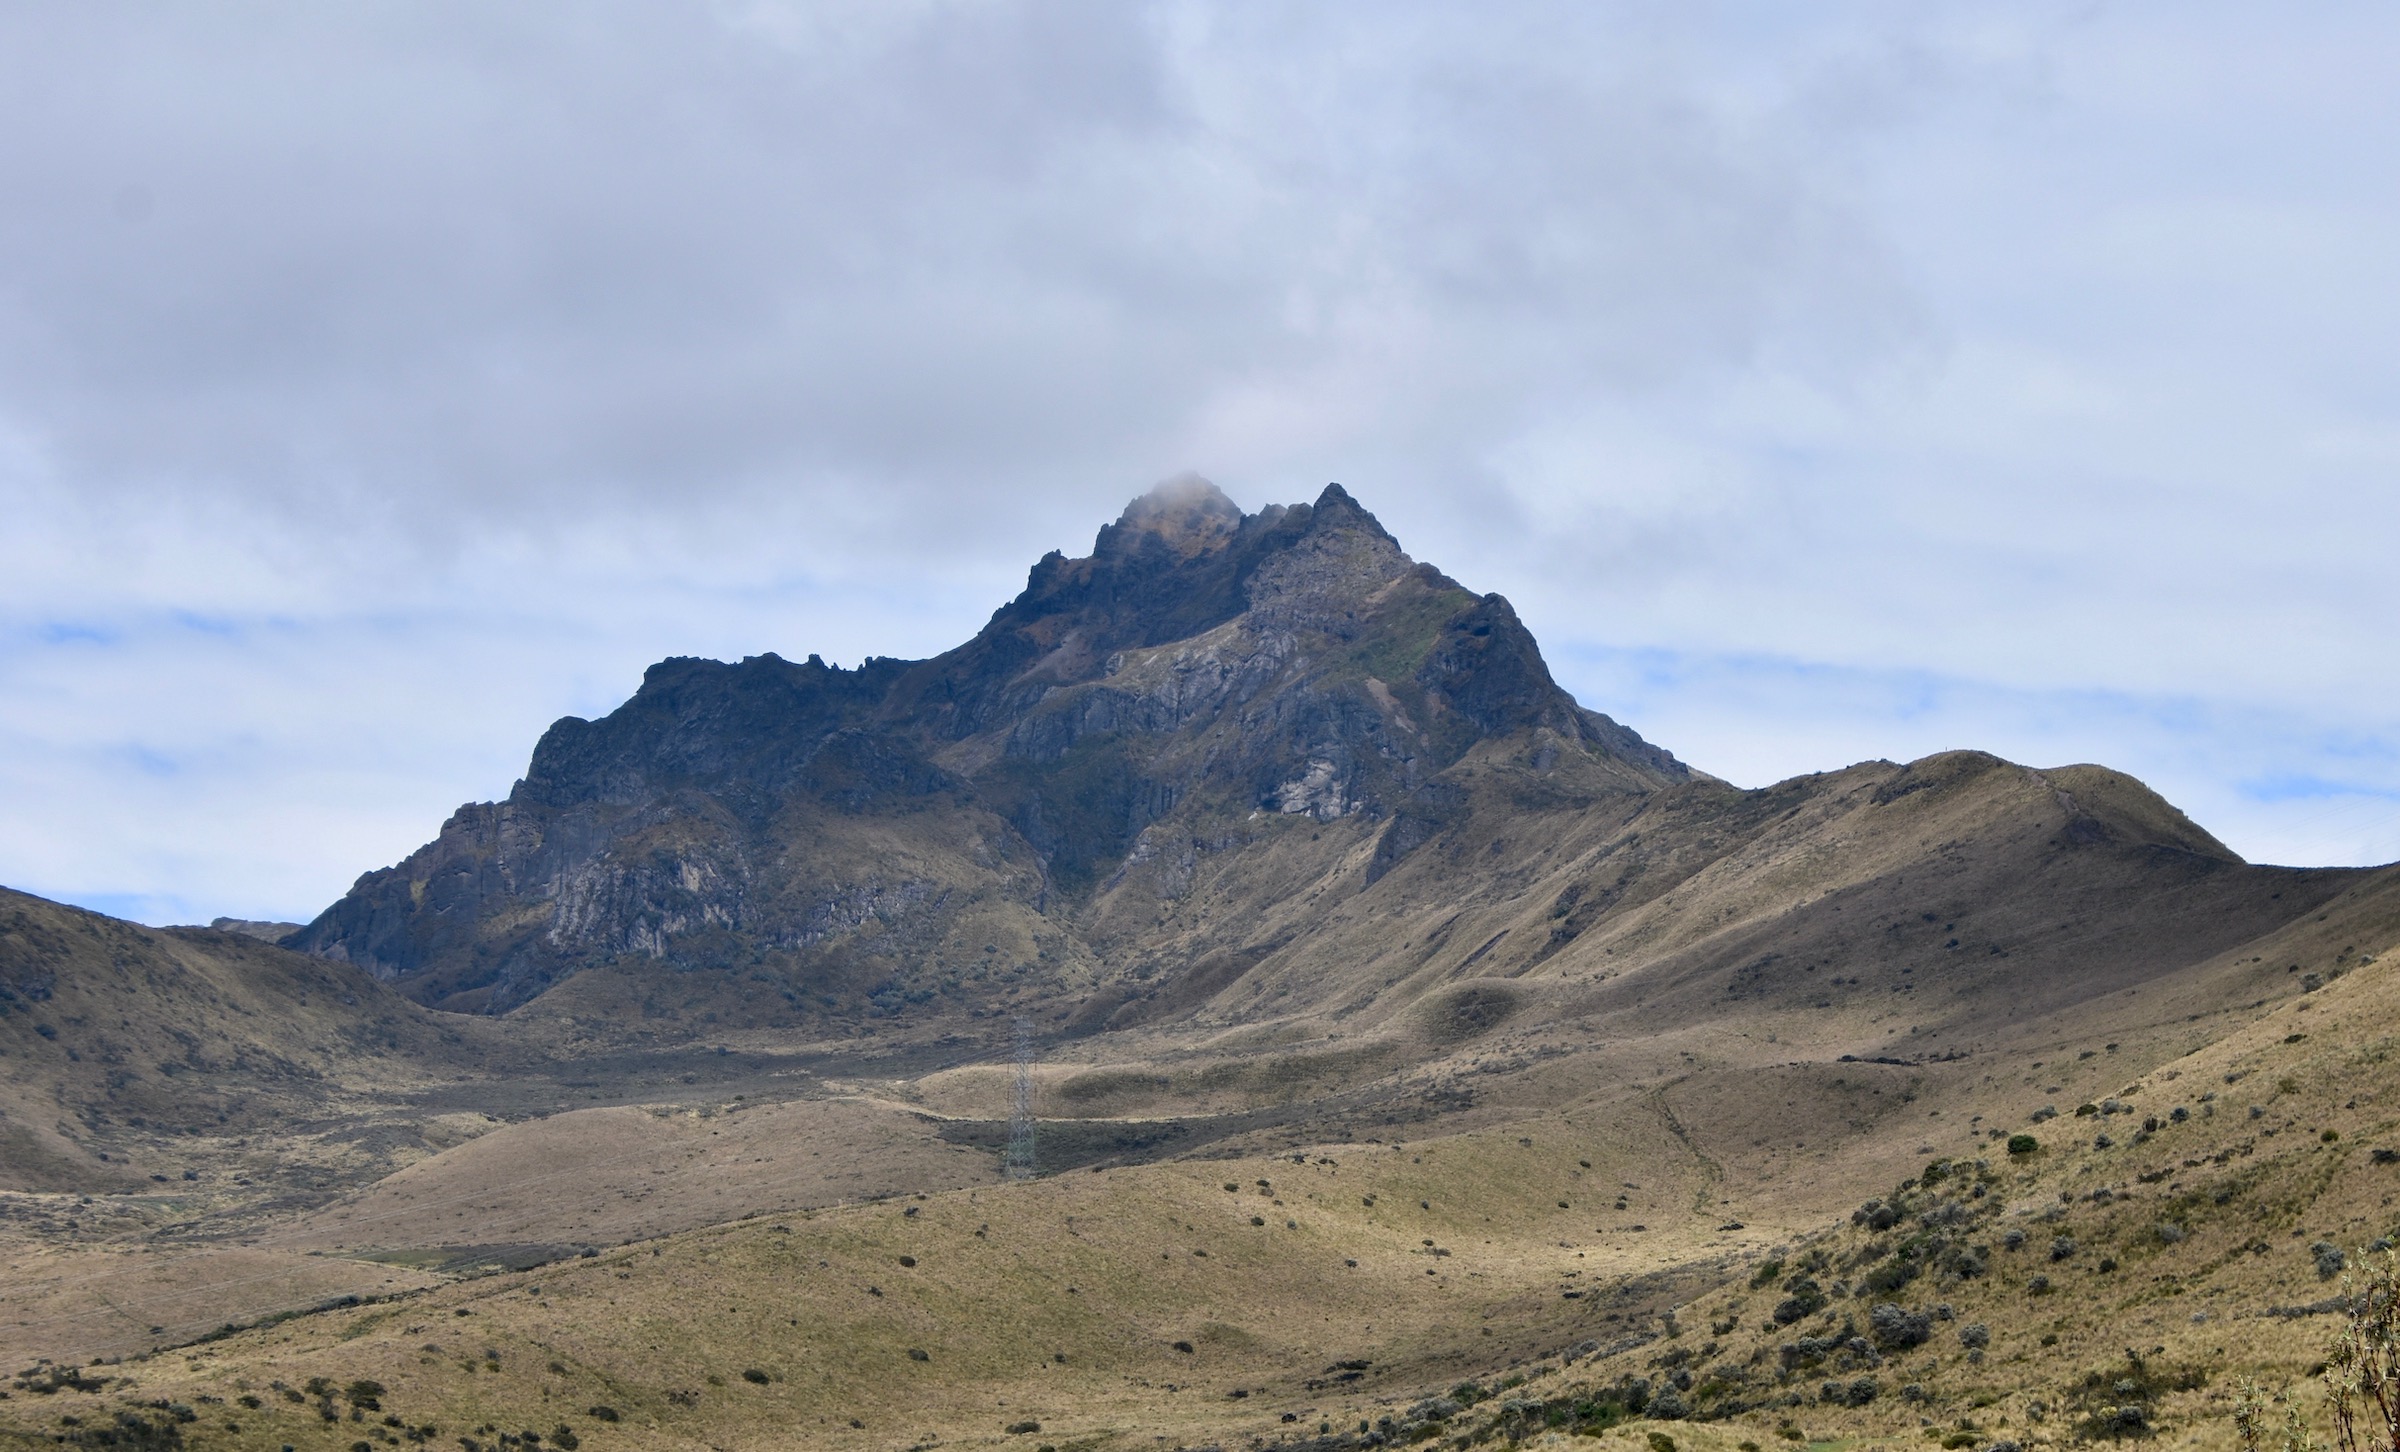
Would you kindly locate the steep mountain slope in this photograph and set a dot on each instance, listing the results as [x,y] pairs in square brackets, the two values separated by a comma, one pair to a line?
[1237,783]
[124,1050]
[950,836]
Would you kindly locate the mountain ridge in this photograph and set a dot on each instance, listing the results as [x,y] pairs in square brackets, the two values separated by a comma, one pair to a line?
[1293,662]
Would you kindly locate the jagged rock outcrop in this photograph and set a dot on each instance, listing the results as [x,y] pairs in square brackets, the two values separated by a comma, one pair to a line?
[980,827]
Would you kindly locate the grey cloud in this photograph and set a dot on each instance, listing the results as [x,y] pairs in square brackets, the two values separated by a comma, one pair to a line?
[497,259]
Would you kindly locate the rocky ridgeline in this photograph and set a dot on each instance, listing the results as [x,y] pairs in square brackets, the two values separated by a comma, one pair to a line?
[945,832]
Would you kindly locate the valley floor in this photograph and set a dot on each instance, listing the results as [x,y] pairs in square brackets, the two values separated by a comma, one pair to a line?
[813,1261]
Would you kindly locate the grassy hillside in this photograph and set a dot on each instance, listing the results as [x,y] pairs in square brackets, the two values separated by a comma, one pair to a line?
[1511,1281]
[128,1053]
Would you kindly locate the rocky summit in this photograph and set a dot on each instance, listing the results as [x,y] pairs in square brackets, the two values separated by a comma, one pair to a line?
[991,829]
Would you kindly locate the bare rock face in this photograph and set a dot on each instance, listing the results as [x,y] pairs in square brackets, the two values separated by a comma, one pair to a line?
[992,826]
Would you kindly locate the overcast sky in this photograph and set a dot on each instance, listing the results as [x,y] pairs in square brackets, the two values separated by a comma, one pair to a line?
[379,382]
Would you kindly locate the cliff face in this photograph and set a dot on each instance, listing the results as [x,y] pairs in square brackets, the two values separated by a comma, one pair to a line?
[999,824]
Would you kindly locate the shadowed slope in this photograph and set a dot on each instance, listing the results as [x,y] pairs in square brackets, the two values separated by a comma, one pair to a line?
[120,1045]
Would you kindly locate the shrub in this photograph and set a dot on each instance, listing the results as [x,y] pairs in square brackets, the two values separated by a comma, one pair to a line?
[755,1377]
[2169,1232]
[2062,1248]
[2329,1258]
[1805,1300]
[918,1353]
[1661,1442]
[1767,1274]
[1975,1336]
[2023,1144]
[601,1414]
[1019,1429]
[1897,1328]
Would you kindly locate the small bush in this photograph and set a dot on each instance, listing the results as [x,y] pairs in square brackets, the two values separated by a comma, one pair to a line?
[1019,1429]
[1805,1300]
[918,1353]
[755,1377]
[601,1414]
[1661,1442]
[1975,1336]
[2023,1144]
[1767,1274]
[1897,1328]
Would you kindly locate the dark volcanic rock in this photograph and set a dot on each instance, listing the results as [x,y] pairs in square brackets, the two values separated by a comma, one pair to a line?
[865,841]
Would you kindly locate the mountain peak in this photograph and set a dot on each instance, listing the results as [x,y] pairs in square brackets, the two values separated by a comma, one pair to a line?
[1187,514]
[1204,671]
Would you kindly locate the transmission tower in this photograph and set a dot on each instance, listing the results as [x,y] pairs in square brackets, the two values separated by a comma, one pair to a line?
[1019,1164]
